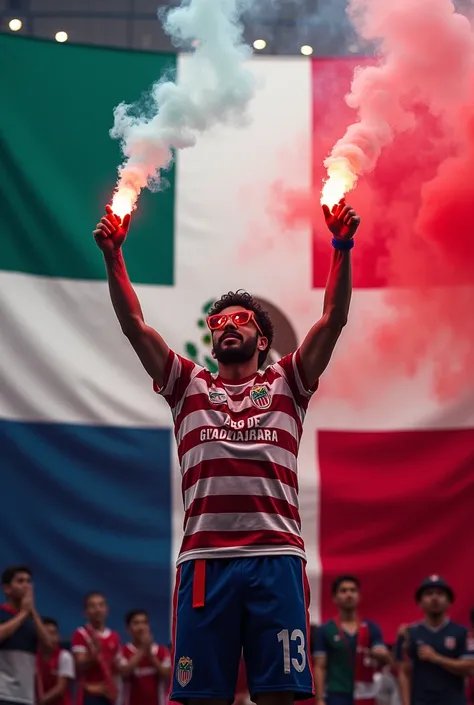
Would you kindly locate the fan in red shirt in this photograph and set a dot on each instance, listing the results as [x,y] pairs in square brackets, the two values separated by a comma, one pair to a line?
[144,666]
[54,669]
[96,652]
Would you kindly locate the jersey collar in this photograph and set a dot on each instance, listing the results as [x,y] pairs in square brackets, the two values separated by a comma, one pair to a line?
[235,382]
[436,629]
[104,634]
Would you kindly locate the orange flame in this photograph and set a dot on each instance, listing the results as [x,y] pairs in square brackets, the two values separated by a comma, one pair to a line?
[341,179]
[332,191]
[124,201]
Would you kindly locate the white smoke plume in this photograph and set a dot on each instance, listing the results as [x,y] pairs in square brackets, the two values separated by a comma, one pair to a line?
[217,89]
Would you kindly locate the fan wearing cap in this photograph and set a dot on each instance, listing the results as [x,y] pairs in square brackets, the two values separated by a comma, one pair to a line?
[434,654]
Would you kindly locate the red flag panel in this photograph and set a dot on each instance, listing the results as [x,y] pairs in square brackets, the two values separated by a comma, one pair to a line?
[386,198]
[395,508]
[331,81]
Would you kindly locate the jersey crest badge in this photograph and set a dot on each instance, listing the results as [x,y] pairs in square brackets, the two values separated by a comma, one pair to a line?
[450,642]
[216,396]
[184,671]
[260,397]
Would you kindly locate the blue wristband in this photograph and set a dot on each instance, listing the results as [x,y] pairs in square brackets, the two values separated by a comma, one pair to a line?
[342,244]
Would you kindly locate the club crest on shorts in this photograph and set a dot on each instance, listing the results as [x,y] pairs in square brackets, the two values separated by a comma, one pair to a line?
[217,396]
[184,670]
[260,397]
[450,642]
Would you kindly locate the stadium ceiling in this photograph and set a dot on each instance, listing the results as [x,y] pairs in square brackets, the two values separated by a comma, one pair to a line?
[284,25]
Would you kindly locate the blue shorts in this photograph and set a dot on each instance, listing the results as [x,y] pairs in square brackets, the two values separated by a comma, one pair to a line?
[255,605]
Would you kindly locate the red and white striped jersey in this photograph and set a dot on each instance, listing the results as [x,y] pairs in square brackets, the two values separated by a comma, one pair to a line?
[145,686]
[237,446]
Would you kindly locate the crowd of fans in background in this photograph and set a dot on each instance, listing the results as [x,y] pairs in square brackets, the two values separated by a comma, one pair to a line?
[432,662]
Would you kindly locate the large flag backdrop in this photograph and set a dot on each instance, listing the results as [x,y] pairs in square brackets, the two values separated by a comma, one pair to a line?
[91,489]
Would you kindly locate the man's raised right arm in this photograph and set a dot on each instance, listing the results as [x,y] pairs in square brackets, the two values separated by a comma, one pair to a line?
[150,347]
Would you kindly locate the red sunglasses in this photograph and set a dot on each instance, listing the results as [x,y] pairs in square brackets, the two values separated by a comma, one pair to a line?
[239,318]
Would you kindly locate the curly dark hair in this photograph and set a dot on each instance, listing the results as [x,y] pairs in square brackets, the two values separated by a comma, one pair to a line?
[246,300]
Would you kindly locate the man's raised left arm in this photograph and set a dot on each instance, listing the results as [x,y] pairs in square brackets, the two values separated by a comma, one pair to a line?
[318,346]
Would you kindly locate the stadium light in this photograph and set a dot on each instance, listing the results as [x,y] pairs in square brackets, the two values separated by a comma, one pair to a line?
[259,44]
[15,25]
[306,50]
[61,37]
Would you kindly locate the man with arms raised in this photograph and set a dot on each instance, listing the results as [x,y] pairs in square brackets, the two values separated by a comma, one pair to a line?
[241,581]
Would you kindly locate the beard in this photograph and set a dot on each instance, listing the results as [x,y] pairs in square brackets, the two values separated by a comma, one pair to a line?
[236,354]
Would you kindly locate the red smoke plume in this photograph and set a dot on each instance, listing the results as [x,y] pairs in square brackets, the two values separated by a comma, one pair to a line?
[414,136]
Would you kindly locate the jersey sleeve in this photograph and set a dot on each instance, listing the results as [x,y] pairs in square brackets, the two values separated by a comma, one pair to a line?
[66,668]
[178,374]
[399,648]
[375,634]
[405,647]
[124,655]
[467,645]
[78,642]
[320,642]
[117,651]
[293,372]
[164,657]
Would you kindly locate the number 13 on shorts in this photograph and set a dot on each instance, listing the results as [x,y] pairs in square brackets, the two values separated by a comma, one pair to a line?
[293,643]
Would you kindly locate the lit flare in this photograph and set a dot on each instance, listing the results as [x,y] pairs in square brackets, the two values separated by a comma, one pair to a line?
[341,179]
[124,201]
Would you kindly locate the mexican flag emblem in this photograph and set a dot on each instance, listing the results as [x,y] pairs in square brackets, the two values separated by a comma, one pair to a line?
[184,671]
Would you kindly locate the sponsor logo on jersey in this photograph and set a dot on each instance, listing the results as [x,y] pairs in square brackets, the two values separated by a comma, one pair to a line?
[260,397]
[450,642]
[217,396]
[184,671]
